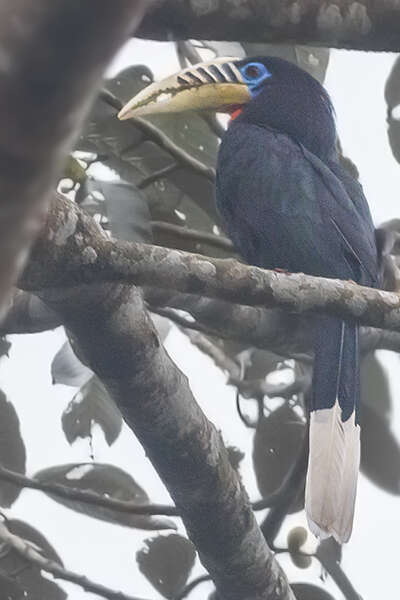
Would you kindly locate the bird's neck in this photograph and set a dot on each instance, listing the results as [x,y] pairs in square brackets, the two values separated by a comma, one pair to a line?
[304,114]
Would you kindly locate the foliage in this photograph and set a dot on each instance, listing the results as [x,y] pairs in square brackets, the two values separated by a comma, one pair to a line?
[127,207]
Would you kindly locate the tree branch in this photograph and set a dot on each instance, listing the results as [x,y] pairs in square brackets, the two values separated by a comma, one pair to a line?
[201,237]
[361,25]
[119,342]
[46,88]
[87,496]
[84,254]
[30,553]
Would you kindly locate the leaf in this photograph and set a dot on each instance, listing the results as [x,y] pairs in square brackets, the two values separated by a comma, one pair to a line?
[167,562]
[306,591]
[106,480]
[276,445]
[10,589]
[134,157]
[313,60]
[30,580]
[67,369]
[92,405]
[375,390]
[126,209]
[12,450]
[392,97]
[380,451]
[5,346]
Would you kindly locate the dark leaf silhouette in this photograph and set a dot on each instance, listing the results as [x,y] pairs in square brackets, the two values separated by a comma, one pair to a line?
[126,209]
[306,591]
[92,405]
[392,97]
[181,197]
[375,391]
[12,450]
[167,563]
[25,579]
[380,451]
[67,369]
[5,346]
[107,480]
[277,443]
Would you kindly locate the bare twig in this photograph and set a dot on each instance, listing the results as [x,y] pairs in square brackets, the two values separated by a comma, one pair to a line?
[87,496]
[30,553]
[156,175]
[288,493]
[190,586]
[194,235]
[95,499]
[338,575]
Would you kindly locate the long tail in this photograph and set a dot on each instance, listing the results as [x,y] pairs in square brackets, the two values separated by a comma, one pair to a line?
[334,431]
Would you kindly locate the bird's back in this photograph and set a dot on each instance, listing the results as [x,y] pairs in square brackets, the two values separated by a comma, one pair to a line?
[285,208]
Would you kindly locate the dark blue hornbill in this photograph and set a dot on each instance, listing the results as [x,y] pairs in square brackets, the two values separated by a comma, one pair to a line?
[288,204]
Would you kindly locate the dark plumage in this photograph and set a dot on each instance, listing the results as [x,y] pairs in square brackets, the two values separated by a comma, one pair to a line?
[287,203]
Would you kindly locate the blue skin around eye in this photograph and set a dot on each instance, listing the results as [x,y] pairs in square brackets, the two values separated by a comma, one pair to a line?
[254,83]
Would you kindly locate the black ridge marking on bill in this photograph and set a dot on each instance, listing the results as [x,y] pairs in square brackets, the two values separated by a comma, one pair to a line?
[182,80]
[206,74]
[194,77]
[230,73]
[218,74]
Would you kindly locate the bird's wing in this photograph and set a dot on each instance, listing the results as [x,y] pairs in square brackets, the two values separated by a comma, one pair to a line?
[297,213]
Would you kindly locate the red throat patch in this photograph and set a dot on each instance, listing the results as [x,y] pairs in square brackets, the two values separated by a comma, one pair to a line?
[235,114]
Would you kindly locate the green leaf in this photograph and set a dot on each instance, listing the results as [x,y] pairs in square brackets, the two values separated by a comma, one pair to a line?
[29,580]
[92,405]
[306,591]
[167,562]
[107,480]
[12,450]
[276,445]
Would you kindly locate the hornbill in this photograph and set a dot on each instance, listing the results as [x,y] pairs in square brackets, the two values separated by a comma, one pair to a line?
[288,204]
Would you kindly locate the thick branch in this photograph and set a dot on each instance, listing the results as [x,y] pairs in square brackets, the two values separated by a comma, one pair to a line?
[120,344]
[46,87]
[361,25]
[81,253]
[30,553]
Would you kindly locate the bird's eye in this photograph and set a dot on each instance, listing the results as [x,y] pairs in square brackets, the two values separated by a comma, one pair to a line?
[252,72]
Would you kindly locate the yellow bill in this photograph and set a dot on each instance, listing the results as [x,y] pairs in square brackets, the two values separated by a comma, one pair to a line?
[213,85]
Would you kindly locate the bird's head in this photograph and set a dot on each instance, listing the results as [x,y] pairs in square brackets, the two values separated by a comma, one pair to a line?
[267,91]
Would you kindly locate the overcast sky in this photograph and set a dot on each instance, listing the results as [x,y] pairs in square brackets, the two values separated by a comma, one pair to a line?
[106,553]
